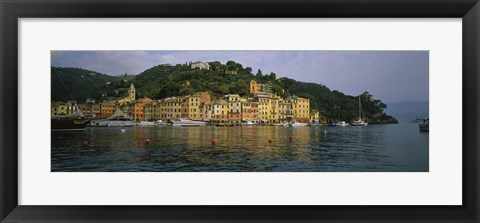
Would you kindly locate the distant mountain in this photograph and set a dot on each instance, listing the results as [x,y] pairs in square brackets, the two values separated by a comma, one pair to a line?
[408,110]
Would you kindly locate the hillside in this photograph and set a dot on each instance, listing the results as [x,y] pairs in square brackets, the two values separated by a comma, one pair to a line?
[165,81]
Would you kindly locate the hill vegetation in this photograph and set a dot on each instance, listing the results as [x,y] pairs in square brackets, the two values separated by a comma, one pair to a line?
[164,81]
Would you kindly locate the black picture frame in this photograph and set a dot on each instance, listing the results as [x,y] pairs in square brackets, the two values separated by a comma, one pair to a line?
[11,11]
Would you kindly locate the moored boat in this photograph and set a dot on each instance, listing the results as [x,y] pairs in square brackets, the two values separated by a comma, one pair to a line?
[342,123]
[359,121]
[249,123]
[295,124]
[424,126]
[146,123]
[118,119]
[72,122]
[188,123]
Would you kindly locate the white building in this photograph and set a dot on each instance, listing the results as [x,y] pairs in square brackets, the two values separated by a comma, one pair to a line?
[200,65]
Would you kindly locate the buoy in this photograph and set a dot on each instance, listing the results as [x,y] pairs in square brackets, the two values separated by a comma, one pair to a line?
[147,141]
[214,142]
[123,130]
[269,140]
[85,143]
[290,138]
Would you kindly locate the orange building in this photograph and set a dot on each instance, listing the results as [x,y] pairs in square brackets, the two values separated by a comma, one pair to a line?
[107,108]
[137,109]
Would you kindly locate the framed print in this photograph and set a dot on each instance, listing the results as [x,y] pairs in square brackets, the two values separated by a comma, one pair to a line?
[288,111]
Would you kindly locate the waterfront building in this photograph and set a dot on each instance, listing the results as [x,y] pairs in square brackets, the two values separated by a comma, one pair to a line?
[193,105]
[274,108]
[72,107]
[264,107]
[137,109]
[58,108]
[314,116]
[152,110]
[285,109]
[200,65]
[234,108]
[107,108]
[89,110]
[217,111]
[249,111]
[301,109]
[170,108]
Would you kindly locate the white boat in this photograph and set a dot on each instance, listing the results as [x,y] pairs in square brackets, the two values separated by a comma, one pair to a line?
[424,126]
[249,123]
[146,123]
[187,122]
[341,123]
[160,122]
[295,124]
[118,119]
[359,121]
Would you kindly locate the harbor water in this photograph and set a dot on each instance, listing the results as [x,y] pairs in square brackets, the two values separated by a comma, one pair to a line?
[374,148]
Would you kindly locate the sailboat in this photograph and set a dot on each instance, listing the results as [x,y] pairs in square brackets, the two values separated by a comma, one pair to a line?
[360,121]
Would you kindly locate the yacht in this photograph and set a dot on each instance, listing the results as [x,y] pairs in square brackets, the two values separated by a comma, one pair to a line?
[187,122]
[296,124]
[248,123]
[342,123]
[146,123]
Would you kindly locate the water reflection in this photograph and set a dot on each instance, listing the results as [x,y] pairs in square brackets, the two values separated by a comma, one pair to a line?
[246,148]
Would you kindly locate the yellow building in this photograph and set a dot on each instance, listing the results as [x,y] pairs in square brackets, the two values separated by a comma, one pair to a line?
[152,111]
[301,109]
[131,97]
[274,116]
[216,111]
[170,108]
[58,108]
[255,87]
[264,107]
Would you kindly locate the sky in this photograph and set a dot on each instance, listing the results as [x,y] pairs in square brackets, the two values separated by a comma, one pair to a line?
[391,76]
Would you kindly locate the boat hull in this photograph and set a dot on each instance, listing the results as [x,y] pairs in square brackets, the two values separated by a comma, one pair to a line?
[423,127]
[69,124]
[112,123]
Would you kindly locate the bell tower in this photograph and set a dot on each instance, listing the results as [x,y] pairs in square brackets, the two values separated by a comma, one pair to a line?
[131,92]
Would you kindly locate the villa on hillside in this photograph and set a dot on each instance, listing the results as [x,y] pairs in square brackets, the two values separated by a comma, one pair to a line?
[200,65]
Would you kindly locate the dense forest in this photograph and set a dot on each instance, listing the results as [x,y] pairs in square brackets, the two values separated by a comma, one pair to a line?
[164,81]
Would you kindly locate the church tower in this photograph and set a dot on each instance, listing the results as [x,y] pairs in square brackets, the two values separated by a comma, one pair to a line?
[131,92]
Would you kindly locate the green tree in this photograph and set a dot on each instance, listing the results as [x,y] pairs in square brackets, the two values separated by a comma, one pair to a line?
[259,74]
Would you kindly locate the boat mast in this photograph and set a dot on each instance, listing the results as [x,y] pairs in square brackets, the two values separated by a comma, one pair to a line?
[359,109]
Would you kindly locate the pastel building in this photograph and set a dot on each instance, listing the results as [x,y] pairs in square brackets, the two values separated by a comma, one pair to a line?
[200,65]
